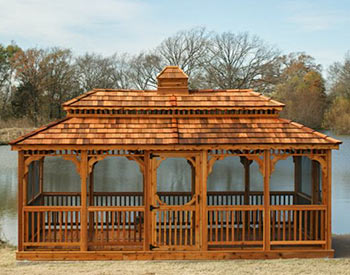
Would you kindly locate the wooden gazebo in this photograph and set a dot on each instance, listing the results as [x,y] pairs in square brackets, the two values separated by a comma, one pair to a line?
[200,127]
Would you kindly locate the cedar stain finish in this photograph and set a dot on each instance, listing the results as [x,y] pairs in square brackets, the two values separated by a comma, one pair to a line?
[149,126]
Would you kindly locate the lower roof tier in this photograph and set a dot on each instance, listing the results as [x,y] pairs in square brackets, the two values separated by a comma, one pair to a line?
[173,131]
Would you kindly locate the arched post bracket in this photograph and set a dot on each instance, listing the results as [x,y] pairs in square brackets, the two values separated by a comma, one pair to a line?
[73,159]
[211,163]
[259,159]
[275,158]
[140,161]
[322,161]
[28,161]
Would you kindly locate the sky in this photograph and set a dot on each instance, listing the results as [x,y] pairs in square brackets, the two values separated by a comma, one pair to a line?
[319,28]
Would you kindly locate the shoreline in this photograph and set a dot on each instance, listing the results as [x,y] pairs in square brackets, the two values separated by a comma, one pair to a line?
[8,134]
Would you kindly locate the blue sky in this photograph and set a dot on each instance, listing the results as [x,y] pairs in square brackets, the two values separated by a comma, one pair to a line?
[319,28]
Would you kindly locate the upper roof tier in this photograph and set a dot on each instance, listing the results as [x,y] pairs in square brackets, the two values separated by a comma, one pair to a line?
[172,94]
[195,99]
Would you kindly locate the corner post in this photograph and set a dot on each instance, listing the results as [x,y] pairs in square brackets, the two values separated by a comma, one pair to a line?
[147,193]
[83,217]
[297,178]
[20,200]
[267,214]
[203,201]
[328,197]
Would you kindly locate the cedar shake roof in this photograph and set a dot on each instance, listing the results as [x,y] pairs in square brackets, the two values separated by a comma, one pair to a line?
[173,115]
[163,131]
[211,99]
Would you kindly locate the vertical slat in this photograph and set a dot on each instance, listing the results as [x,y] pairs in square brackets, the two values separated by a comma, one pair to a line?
[233,225]
[295,224]
[180,227]
[38,227]
[191,228]
[289,224]
[227,226]
[243,225]
[216,225]
[222,226]
[175,227]
[300,224]
[284,224]
[305,225]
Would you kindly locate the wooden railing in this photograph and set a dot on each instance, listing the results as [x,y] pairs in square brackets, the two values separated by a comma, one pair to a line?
[297,225]
[61,199]
[171,198]
[118,198]
[235,225]
[174,226]
[51,226]
[116,225]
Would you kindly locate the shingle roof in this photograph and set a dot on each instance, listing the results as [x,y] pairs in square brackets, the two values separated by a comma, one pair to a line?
[173,115]
[163,131]
[153,99]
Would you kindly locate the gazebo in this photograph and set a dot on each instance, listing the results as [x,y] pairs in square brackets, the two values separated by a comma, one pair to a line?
[197,130]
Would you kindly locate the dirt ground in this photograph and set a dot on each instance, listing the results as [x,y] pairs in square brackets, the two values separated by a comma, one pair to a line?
[338,265]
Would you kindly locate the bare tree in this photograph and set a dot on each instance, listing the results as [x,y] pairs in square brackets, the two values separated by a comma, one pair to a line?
[186,49]
[59,80]
[239,61]
[144,68]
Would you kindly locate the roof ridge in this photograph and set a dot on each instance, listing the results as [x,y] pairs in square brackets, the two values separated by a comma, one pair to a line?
[76,99]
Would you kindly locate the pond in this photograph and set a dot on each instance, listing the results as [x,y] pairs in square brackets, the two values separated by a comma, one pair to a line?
[8,188]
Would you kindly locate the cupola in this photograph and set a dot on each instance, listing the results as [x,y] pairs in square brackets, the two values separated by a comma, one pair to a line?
[172,80]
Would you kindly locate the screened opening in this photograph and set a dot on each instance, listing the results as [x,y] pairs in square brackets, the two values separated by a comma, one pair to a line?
[61,182]
[175,181]
[116,181]
[235,181]
[33,183]
[296,180]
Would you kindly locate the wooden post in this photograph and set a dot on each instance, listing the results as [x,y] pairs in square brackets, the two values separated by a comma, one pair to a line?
[327,182]
[147,193]
[297,178]
[267,214]
[20,200]
[203,200]
[41,180]
[246,163]
[83,215]
[315,180]
[91,200]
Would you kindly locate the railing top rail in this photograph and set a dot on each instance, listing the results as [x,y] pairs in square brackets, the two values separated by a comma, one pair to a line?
[51,208]
[235,207]
[299,207]
[116,208]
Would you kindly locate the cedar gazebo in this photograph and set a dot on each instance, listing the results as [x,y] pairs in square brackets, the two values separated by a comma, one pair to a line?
[201,129]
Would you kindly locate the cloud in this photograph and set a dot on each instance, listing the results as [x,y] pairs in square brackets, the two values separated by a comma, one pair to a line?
[81,24]
[311,17]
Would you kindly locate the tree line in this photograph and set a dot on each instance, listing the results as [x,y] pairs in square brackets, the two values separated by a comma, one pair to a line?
[35,82]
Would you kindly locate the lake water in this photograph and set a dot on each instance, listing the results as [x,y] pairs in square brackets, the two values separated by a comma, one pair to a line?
[69,181]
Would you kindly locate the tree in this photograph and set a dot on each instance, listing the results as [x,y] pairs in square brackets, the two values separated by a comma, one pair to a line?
[96,71]
[188,50]
[240,61]
[28,96]
[6,77]
[302,89]
[144,68]
[337,117]
[59,81]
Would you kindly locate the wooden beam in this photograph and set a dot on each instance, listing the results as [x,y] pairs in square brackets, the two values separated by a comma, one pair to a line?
[20,200]
[267,220]
[84,210]
[174,147]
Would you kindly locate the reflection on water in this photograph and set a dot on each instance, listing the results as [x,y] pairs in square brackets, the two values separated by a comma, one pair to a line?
[69,181]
